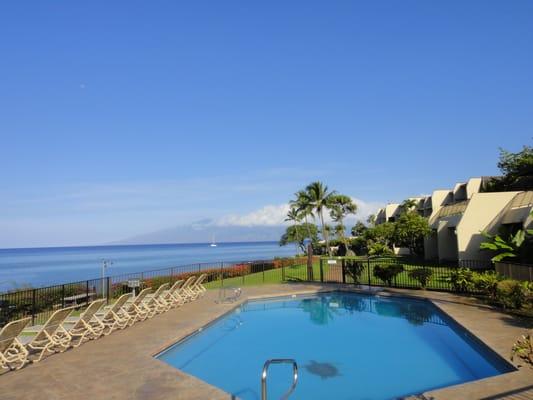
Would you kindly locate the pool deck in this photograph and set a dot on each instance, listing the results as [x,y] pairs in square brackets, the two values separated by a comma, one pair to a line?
[122,366]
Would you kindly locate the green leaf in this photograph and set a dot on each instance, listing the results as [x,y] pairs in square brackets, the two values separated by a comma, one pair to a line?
[501,256]
[519,238]
[488,246]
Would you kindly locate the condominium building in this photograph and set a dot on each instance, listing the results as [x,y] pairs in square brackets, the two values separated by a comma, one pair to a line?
[458,217]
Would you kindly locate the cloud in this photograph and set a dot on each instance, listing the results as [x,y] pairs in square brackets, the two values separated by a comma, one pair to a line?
[272,215]
[269,215]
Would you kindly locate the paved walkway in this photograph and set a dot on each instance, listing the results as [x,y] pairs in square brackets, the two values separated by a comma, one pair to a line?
[122,366]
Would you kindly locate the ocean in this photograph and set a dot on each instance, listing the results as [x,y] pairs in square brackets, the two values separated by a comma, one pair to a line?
[38,267]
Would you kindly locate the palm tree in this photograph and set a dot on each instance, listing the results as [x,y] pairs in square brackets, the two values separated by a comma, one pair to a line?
[304,208]
[341,206]
[296,218]
[320,198]
[407,205]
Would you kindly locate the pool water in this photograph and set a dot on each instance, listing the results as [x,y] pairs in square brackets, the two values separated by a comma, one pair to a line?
[347,346]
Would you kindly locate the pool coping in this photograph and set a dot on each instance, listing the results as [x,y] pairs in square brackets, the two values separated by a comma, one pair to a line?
[149,378]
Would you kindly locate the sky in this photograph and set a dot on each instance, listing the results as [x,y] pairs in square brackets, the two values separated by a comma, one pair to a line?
[125,117]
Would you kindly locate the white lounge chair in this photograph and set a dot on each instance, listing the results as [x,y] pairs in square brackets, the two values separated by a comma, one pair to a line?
[52,336]
[155,303]
[86,327]
[172,295]
[185,291]
[115,316]
[136,309]
[197,286]
[13,354]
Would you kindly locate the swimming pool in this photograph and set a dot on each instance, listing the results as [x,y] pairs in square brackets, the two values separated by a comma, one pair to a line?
[347,346]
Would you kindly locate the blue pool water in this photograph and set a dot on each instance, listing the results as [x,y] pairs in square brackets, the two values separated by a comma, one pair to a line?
[348,346]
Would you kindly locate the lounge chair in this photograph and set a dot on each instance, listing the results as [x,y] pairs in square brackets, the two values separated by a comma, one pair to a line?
[185,291]
[115,316]
[86,327]
[192,291]
[13,354]
[197,287]
[155,303]
[172,295]
[136,309]
[52,336]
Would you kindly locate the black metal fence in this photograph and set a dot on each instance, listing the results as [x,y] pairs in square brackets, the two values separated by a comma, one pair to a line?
[40,303]
[397,272]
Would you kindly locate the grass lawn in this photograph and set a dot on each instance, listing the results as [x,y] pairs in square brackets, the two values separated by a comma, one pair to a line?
[294,273]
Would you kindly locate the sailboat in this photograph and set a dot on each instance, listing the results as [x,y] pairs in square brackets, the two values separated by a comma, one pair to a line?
[213,244]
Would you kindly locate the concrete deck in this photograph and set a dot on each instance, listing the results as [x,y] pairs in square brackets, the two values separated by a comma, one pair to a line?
[121,365]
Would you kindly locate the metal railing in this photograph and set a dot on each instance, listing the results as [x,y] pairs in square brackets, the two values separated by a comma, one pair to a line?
[39,303]
[264,376]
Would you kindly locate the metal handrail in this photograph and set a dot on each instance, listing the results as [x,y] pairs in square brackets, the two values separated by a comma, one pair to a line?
[264,376]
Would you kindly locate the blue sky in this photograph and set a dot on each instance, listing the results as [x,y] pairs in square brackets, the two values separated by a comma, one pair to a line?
[119,118]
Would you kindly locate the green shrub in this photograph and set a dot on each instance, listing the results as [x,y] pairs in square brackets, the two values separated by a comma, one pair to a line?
[354,269]
[379,249]
[461,279]
[387,273]
[486,282]
[512,294]
[421,275]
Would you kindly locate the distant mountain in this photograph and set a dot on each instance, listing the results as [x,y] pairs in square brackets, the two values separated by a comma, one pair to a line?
[202,231]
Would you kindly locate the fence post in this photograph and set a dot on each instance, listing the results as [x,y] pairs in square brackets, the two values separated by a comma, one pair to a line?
[321,270]
[368,269]
[263,271]
[62,296]
[107,290]
[199,267]
[87,292]
[33,296]
[343,270]
[282,271]
[222,273]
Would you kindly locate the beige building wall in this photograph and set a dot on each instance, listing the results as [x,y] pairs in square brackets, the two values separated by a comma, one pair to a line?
[473,186]
[447,237]
[481,210]
[439,198]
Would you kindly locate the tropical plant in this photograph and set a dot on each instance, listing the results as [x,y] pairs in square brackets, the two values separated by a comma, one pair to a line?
[354,269]
[461,279]
[512,294]
[340,207]
[371,220]
[486,282]
[319,198]
[507,248]
[523,348]
[407,205]
[379,249]
[421,275]
[382,233]
[296,234]
[359,229]
[387,273]
[294,216]
[304,208]
[410,230]
[517,171]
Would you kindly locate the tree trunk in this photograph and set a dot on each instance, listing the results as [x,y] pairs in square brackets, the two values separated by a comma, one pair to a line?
[324,233]
[310,276]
